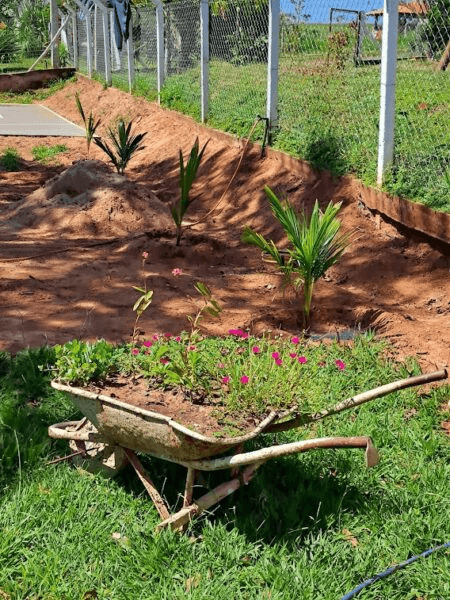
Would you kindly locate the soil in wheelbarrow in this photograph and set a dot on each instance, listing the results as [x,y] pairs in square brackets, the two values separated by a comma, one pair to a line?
[73,232]
[203,414]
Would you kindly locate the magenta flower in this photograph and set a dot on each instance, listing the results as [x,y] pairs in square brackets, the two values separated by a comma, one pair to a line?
[225,379]
[145,255]
[244,379]
[178,339]
[340,365]
[177,272]
[245,335]
[167,335]
[279,362]
[221,366]
[256,350]
[292,355]
[275,355]
[302,360]
[295,340]
[135,351]
[164,361]
[155,337]
[192,348]
[237,332]
[148,344]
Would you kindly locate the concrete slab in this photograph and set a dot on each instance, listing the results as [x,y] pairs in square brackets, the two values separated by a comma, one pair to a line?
[35,120]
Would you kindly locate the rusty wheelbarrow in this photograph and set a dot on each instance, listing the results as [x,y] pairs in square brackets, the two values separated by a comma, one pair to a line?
[112,431]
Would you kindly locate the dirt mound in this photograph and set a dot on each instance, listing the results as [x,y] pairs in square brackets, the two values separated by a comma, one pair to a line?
[89,199]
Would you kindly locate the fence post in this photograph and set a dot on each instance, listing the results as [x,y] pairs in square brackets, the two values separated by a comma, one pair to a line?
[130,53]
[88,42]
[75,40]
[387,88]
[159,46]
[53,32]
[204,29]
[272,67]
[107,46]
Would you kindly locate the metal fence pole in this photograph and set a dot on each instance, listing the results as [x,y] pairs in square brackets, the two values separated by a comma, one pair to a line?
[75,40]
[53,32]
[89,43]
[107,47]
[204,57]
[272,67]
[387,91]
[159,45]
[130,53]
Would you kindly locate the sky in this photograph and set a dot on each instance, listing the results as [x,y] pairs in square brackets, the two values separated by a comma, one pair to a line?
[320,9]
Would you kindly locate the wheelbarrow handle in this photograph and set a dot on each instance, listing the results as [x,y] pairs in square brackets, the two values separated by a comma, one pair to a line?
[357,400]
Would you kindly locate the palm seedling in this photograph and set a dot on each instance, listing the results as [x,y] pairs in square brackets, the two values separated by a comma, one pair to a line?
[90,124]
[188,173]
[124,145]
[315,245]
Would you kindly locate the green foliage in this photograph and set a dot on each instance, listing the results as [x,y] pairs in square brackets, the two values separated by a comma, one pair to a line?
[436,30]
[63,54]
[124,145]
[316,244]
[141,305]
[188,173]
[45,154]
[8,43]
[90,124]
[79,362]
[339,48]
[32,30]
[10,159]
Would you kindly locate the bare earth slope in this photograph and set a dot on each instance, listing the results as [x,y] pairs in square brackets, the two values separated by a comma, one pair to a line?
[388,279]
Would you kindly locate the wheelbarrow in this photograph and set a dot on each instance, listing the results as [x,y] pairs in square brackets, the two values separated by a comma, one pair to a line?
[112,431]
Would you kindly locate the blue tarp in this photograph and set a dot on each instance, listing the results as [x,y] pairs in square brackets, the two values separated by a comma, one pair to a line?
[122,14]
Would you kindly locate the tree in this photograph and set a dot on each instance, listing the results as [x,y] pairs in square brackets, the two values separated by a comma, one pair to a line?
[436,29]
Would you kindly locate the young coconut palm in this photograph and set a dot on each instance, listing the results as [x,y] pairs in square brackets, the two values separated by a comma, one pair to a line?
[316,245]
[124,144]
[90,123]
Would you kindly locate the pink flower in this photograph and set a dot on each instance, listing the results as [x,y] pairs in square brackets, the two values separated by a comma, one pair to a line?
[225,379]
[164,361]
[302,360]
[245,335]
[256,350]
[155,337]
[145,255]
[279,362]
[148,344]
[192,348]
[244,379]
[178,339]
[292,355]
[221,366]
[275,355]
[340,365]
[167,335]
[295,340]
[238,333]
[135,351]
[177,272]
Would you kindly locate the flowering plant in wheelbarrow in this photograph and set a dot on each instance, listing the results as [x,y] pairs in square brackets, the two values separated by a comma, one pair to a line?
[189,398]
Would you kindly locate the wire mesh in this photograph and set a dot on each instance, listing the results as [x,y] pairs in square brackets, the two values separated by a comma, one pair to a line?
[182,56]
[145,49]
[238,46]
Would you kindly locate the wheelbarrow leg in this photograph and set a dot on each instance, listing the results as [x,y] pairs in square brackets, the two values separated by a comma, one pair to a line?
[189,489]
[158,501]
[180,519]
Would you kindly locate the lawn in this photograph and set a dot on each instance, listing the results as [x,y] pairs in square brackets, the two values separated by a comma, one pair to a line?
[310,526]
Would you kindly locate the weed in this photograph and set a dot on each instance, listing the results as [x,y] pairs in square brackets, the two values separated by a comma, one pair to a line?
[10,159]
[45,154]
[124,145]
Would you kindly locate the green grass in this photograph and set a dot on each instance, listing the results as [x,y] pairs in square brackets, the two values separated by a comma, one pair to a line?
[10,159]
[310,526]
[330,117]
[44,154]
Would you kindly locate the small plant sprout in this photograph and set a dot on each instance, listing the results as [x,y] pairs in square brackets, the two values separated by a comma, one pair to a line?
[210,306]
[188,173]
[124,145]
[140,306]
[315,245]
[90,124]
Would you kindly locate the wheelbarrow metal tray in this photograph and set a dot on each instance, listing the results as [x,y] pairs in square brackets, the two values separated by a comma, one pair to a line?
[147,431]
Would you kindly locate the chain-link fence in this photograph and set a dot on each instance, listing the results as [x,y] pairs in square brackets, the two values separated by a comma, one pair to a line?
[319,84]
[24,33]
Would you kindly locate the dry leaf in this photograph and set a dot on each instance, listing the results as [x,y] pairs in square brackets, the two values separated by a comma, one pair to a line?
[4,595]
[192,582]
[90,595]
[116,535]
[350,537]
